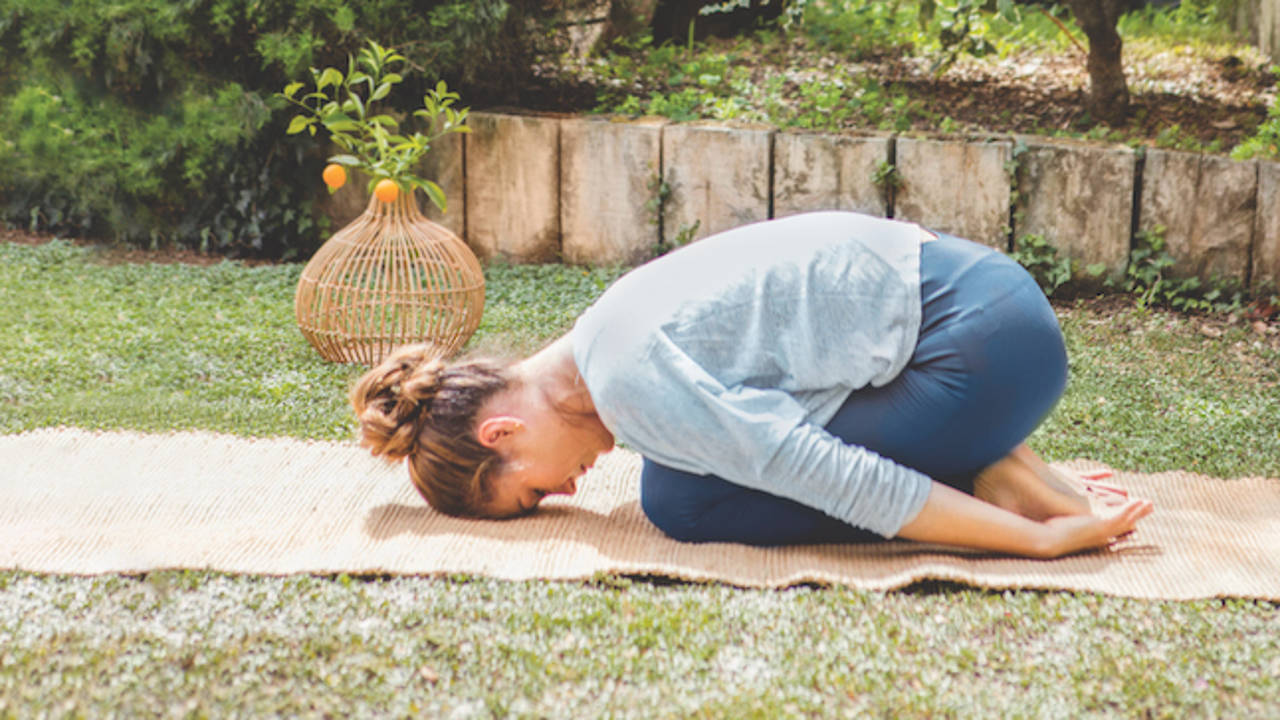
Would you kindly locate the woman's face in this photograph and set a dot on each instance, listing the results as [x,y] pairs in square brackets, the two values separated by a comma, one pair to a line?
[546,457]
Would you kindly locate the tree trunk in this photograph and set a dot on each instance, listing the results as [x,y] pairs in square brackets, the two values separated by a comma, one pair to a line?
[625,18]
[1108,92]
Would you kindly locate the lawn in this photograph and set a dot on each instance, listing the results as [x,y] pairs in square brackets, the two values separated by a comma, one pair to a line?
[157,347]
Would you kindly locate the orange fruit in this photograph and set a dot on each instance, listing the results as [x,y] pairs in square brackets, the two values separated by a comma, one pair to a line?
[335,176]
[387,190]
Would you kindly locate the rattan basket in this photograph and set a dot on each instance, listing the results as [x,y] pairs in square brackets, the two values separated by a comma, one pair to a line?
[390,278]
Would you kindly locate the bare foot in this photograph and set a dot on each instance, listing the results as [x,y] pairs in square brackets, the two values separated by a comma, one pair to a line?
[1100,494]
[1014,485]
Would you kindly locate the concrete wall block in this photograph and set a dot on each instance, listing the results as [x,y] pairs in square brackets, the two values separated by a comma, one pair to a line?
[718,178]
[961,187]
[1266,236]
[1080,199]
[512,194]
[827,172]
[443,165]
[1207,206]
[608,174]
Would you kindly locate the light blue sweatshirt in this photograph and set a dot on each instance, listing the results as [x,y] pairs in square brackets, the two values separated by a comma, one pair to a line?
[728,356]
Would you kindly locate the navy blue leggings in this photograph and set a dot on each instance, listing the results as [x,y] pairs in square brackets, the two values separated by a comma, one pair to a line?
[988,367]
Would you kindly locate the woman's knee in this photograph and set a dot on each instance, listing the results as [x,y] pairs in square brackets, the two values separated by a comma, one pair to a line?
[671,502]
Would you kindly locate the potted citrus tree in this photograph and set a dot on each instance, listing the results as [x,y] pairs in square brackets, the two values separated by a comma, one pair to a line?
[391,276]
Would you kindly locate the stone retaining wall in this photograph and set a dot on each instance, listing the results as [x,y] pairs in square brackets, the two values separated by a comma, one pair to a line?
[529,188]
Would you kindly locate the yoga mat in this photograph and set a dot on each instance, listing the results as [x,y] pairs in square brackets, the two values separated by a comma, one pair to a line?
[79,502]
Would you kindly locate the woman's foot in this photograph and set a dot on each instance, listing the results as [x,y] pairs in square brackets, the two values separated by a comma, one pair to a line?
[1027,486]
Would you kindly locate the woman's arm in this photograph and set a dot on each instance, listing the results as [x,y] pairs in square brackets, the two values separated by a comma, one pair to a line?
[950,517]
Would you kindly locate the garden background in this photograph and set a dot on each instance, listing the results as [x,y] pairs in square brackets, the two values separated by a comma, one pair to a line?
[147,132]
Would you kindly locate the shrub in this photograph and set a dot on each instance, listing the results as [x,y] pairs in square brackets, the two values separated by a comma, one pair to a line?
[1149,276]
[1042,261]
[1265,142]
[151,121]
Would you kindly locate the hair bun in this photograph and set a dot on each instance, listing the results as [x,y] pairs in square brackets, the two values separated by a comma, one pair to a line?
[392,399]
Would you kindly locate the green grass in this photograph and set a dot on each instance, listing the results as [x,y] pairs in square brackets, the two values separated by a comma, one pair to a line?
[210,645]
[161,347]
[153,347]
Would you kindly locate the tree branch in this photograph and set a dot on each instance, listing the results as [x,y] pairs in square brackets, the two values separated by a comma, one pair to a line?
[1062,26]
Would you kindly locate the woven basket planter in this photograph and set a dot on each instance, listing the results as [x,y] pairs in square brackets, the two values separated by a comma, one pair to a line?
[390,278]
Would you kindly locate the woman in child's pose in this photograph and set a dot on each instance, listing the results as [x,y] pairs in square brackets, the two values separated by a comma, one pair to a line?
[820,378]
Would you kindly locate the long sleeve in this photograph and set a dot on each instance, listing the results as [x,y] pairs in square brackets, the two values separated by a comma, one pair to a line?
[760,438]
[728,357]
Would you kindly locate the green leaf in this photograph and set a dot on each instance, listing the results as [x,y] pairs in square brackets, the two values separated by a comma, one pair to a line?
[348,160]
[342,124]
[330,76]
[434,192]
[298,124]
[292,88]
[383,90]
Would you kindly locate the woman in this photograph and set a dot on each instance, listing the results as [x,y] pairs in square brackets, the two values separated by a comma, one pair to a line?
[820,378]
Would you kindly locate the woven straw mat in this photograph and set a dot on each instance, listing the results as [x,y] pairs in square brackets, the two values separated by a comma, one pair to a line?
[78,502]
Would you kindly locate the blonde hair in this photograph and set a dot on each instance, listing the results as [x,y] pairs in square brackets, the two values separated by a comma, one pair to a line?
[415,406]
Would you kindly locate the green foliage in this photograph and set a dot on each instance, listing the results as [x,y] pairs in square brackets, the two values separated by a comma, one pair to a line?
[825,103]
[860,29]
[680,83]
[1150,278]
[155,122]
[659,192]
[888,179]
[1205,21]
[962,27]
[373,140]
[689,84]
[99,165]
[1265,142]
[1041,259]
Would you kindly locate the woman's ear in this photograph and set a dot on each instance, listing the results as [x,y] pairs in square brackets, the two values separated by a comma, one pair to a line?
[496,431]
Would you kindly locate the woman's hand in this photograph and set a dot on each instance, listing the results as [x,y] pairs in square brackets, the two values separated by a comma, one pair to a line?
[1072,533]
[950,517]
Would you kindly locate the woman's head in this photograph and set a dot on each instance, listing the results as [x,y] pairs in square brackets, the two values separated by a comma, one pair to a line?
[482,438]
[417,407]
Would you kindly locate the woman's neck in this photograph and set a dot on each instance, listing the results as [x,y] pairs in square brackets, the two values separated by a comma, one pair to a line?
[552,372]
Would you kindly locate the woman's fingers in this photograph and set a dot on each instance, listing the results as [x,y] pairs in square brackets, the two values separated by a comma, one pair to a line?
[1086,532]
[1127,518]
